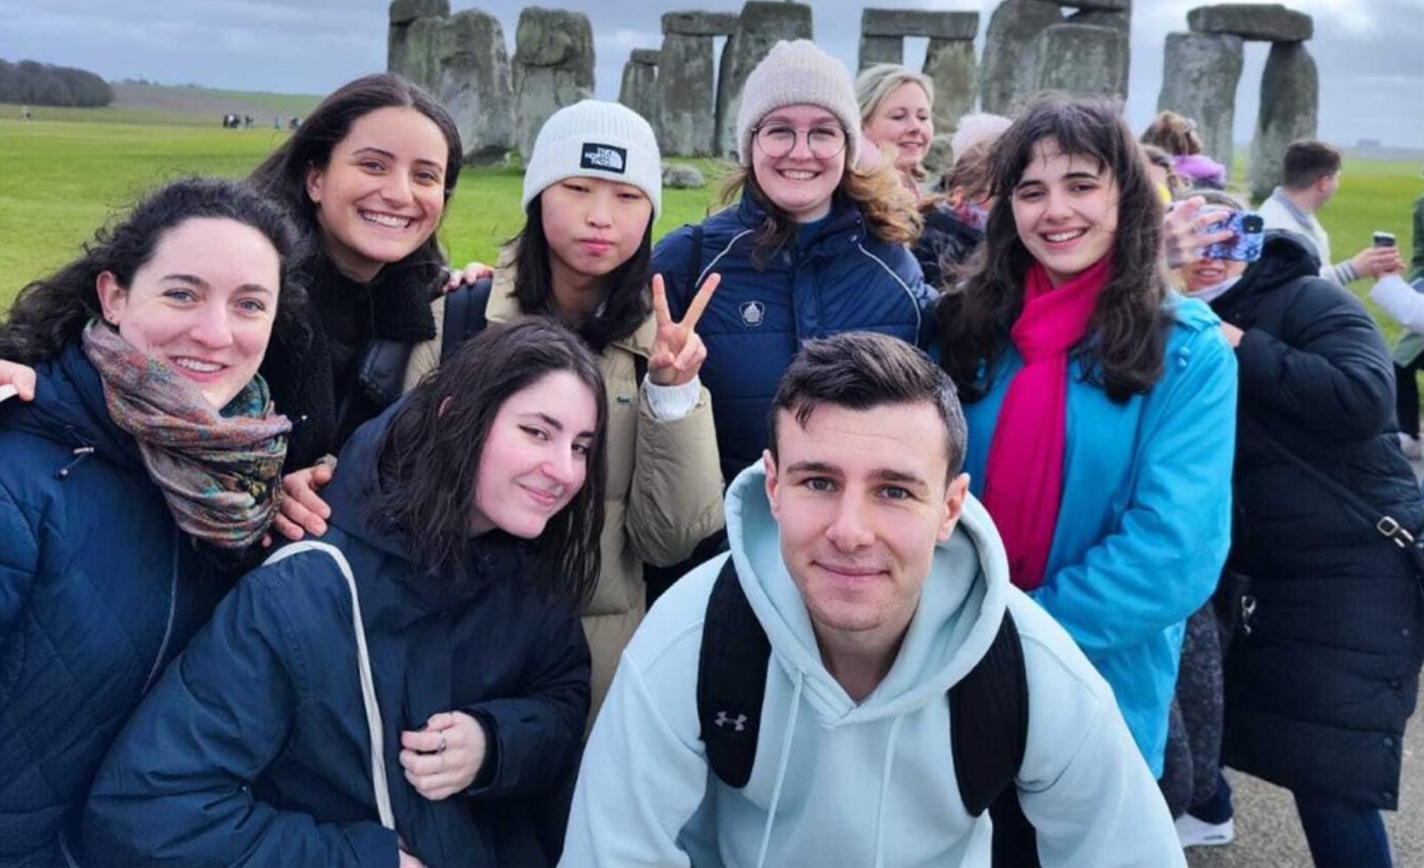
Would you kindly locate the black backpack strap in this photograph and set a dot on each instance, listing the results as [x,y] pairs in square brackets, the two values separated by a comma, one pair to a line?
[731,679]
[464,315]
[988,721]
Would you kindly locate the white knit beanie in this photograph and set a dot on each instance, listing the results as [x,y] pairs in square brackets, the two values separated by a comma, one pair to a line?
[798,73]
[595,139]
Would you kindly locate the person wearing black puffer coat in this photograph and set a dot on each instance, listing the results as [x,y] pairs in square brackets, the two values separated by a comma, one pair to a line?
[1319,690]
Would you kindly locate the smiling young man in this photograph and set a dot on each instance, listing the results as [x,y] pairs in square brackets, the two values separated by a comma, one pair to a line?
[880,589]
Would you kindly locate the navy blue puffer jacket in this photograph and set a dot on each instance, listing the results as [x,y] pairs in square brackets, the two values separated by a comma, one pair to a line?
[253,749]
[98,590]
[843,279]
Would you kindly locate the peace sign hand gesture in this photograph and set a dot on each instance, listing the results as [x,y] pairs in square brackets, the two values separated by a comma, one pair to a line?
[678,353]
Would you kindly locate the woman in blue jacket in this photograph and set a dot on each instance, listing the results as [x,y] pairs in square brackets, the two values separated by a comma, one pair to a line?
[1100,407]
[411,688]
[131,486]
[814,247]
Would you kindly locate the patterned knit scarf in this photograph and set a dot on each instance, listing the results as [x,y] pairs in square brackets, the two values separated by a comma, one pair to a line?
[1023,477]
[221,473]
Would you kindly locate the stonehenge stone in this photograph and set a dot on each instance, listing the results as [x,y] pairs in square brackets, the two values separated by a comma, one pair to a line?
[639,90]
[700,23]
[1263,23]
[645,56]
[1101,18]
[682,177]
[950,64]
[1083,60]
[406,11]
[762,24]
[1290,103]
[1103,5]
[1199,78]
[553,67]
[939,156]
[881,49]
[918,22]
[1008,71]
[462,61]
[686,121]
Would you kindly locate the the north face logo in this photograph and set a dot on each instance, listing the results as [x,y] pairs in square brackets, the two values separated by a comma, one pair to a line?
[605,157]
[738,723]
[753,312]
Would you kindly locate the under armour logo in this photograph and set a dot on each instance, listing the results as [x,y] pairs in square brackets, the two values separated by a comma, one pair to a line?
[739,723]
[753,312]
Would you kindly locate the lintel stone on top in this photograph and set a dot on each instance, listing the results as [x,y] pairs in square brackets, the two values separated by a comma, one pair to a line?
[645,56]
[694,23]
[1255,22]
[1099,5]
[406,11]
[919,22]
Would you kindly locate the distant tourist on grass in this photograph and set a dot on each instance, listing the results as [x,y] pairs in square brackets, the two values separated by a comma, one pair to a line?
[136,484]
[1178,136]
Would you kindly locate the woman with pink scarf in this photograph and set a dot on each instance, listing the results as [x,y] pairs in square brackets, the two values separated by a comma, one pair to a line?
[1101,406]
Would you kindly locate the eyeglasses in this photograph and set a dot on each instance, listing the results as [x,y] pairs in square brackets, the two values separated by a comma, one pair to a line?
[778,140]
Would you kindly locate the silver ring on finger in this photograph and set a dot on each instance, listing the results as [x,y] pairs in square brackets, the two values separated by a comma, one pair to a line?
[442,746]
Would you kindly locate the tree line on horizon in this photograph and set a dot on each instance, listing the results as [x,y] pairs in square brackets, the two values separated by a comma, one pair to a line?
[34,83]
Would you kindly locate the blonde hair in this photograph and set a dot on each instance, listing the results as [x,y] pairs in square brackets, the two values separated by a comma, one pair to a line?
[1174,134]
[877,82]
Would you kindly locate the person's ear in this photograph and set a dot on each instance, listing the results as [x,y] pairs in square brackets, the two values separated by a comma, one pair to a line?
[313,184]
[773,485]
[112,297]
[954,496]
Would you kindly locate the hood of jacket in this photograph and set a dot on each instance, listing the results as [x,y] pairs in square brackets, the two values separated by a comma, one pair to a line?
[69,408]
[961,607]
[1285,256]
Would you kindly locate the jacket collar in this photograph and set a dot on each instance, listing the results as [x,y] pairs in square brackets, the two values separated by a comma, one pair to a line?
[504,306]
[845,228]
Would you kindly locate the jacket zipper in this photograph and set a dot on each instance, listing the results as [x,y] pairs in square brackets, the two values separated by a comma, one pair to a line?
[172,611]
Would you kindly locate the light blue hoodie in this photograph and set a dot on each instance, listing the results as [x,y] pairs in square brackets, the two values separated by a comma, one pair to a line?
[840,783]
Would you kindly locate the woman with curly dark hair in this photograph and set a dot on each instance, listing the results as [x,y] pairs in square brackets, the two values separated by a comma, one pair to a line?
[412,688]
[1097,402]
[135,483]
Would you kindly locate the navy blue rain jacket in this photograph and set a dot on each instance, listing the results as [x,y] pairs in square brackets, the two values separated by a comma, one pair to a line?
[98,590]
[843,279]
[254,750]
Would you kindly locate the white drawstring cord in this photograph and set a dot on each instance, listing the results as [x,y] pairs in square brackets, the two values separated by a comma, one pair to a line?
[781,768]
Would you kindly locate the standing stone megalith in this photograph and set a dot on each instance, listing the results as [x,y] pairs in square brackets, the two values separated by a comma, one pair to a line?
[1008,71]
[639,91]
[1083,60]
[1290,105]
[553,67]
[762,24]
[687,104]
[950,64]
[1199,78]
[463,62]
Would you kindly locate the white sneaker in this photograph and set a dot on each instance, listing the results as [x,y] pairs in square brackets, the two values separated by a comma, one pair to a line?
[1410,446]
[1193,832]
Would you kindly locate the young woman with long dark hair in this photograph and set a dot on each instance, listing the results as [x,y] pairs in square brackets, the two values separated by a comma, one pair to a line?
[1096,402]
[136,483]
[410,687]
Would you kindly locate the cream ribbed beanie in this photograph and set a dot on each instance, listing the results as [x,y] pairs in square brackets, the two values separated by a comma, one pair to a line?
[798,73]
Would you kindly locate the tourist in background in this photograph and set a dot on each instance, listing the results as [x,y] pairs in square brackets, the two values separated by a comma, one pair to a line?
[1178,136]
[136,483]
[1069,321]
[1323,672]
[895,118]
[813,245]
[410,688]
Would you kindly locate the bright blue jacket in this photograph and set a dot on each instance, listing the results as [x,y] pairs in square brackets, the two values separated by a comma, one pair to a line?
[1145,520]
[253,749]
[843,279]
[99,589]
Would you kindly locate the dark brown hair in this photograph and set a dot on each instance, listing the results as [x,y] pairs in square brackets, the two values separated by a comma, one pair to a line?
[1123,349]
[1307,161]
[429,459]
[862,371]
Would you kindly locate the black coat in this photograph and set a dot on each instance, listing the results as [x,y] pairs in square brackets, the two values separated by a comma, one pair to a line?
[1319,691]
[945,242]
[253,747]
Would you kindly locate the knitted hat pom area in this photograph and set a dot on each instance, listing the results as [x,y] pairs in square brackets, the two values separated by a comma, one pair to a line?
[595,139]
[798,73]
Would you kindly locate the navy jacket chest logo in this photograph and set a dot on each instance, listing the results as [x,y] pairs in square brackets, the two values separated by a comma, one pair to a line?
[753,313]
[605,157]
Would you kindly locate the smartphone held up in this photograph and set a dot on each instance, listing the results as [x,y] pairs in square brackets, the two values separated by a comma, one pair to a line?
[1248,231]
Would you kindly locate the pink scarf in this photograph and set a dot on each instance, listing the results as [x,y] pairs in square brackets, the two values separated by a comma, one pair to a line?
[1023,479]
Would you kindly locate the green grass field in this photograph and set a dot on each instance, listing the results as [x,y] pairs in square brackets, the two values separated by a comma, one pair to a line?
[69,169]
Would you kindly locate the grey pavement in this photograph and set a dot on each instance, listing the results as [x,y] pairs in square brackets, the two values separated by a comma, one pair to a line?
[1268,832]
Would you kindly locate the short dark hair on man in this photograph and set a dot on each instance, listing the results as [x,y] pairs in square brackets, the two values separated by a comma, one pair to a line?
[1307,161]
[864,370]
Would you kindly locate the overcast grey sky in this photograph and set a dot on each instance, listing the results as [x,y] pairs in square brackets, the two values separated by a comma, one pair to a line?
[1370,52]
